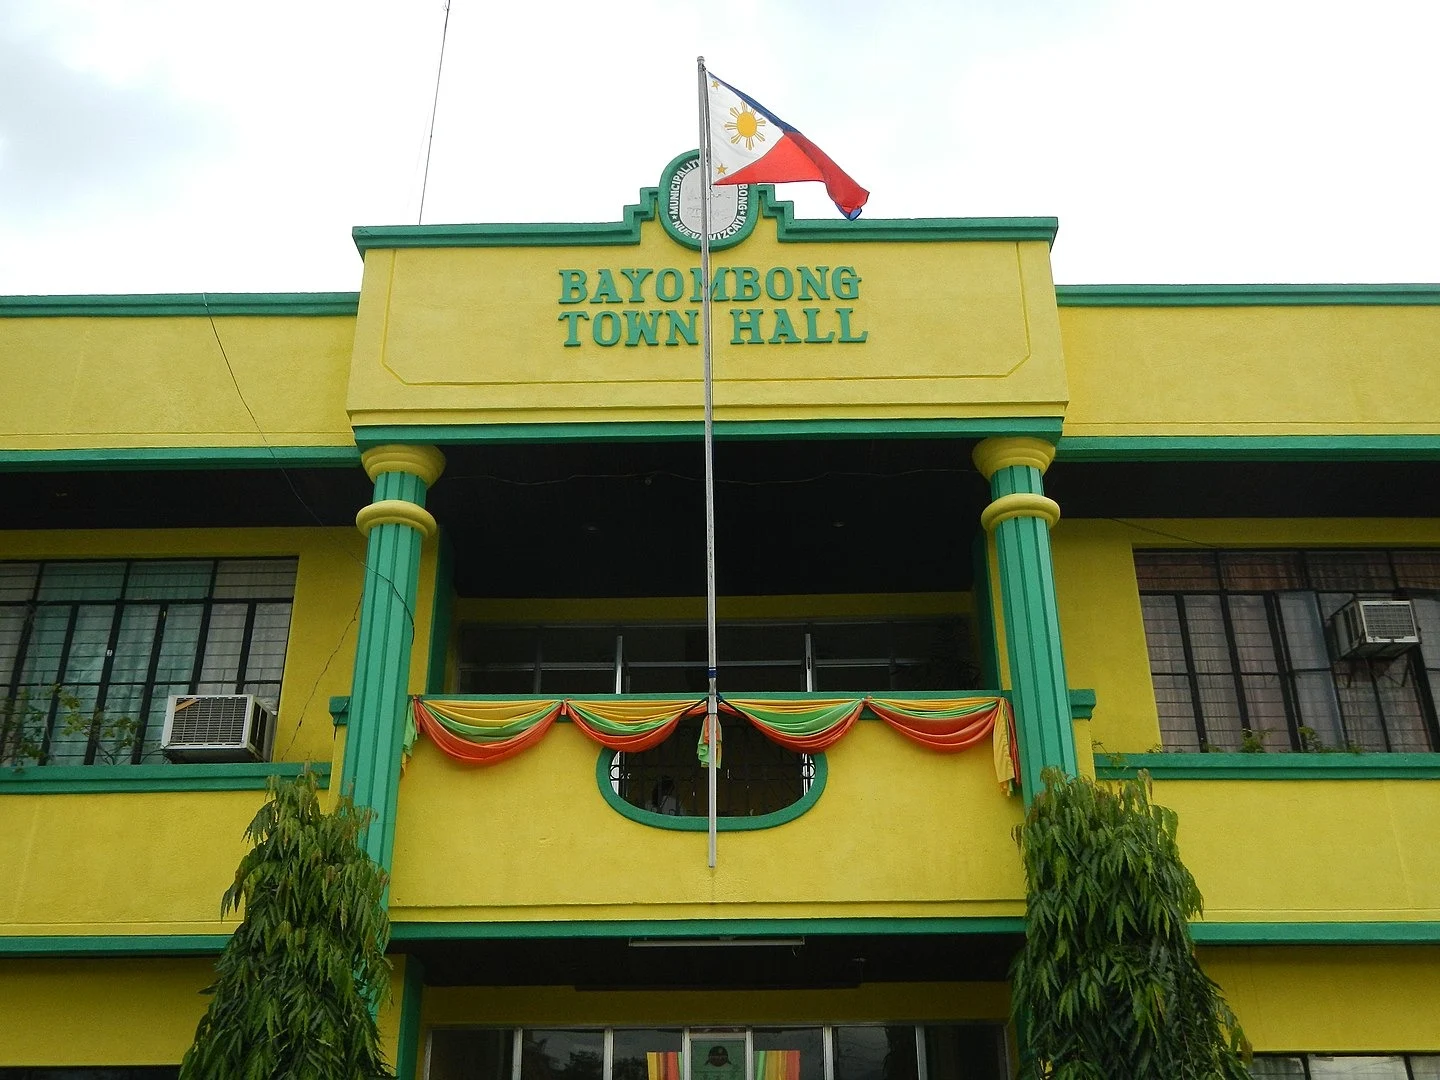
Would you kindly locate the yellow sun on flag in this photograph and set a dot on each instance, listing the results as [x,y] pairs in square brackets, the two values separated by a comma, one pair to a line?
[745,125]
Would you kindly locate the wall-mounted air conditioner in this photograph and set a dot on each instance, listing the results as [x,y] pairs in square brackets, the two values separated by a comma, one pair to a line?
[1374,628]
[218,727]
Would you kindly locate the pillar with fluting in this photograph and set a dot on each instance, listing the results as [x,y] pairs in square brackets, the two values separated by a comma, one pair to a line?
[395,525]
[1020,516]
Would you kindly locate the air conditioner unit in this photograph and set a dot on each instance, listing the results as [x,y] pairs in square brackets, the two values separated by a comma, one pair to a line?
[1374,628]
[218,727]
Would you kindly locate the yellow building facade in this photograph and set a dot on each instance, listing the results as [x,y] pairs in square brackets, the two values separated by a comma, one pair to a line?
[442,541]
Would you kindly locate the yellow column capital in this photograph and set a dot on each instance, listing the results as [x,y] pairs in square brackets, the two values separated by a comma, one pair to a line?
[1019,504]
[1000,452]
[396,512]
[426,462]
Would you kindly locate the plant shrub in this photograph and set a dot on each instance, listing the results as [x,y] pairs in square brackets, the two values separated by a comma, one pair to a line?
[1107,984]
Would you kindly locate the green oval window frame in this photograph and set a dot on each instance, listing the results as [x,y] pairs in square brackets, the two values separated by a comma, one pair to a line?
[699,824]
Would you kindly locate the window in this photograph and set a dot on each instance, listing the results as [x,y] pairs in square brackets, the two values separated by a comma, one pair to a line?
[845,1052]
[90,651]
[755,776]
[665,658]
[1242,653]
[1347,1066]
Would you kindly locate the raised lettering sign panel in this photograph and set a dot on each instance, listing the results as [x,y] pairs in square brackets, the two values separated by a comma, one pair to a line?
[499,332]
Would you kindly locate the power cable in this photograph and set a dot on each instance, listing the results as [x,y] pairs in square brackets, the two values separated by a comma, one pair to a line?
[434,111]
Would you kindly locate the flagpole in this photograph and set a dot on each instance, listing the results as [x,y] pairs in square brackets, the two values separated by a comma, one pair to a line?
[712,705]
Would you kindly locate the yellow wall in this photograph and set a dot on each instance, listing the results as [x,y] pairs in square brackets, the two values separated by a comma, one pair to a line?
[1310,850]
[899,831]
[163,381]
[1251,370]
[143,863]
[472,335]
[1320,998]
[124,1011]
[101,1012]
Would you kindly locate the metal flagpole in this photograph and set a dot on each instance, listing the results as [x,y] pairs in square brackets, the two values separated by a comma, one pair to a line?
[712,706]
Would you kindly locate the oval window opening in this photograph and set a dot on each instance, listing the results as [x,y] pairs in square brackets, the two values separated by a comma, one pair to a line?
[755,776]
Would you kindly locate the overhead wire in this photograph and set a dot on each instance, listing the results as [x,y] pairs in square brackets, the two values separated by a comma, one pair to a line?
[434,111]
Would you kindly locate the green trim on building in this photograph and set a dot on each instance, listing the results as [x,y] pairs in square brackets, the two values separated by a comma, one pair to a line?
[340,710]
[1316,933]
[627,229]
[1244,295]
[151,305]
[665,929]
[181,457]
[1204,933]
[82,945]
[1041,698]
[661,430]
[1324,766]
[1248,448]
[690,823]
[1082,704]
[407,1042]
[379,697]
[132,779]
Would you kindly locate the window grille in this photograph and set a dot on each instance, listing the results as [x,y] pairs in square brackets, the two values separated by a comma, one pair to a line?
[1242,654]
[1346,1066]
[90,651]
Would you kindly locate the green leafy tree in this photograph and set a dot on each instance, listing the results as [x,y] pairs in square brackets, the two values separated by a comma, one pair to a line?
[1107,984]
[299,983]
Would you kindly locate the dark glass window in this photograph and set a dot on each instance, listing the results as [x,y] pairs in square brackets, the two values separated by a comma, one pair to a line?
[1347,1066]
[876,1052]
[1244,655]
[964,1051]
[562,1054]
[91,651]
[756,776]
[852,656]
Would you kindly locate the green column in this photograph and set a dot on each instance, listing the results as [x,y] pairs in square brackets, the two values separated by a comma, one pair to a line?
[1020,518]
[395,524]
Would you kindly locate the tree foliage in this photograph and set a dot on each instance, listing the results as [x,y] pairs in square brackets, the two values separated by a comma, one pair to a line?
[298,984]
[1107,984]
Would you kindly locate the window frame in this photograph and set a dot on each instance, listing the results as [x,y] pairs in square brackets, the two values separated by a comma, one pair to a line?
[1170,604]
[207,633]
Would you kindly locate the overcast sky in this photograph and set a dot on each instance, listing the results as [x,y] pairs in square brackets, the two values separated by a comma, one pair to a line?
[187,145]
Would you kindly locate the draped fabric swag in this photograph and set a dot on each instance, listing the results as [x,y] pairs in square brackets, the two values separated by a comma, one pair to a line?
[485,732]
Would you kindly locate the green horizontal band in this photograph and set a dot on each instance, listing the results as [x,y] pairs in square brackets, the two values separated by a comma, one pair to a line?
[139,305]
[1244,295]
[1316,933]
[678,430]
[80,945]
[129,779]
[698,928]
[1279,766]
[1248,448]
[181,457]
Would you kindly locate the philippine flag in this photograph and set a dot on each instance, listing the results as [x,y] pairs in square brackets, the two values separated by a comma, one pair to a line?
[749,144]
